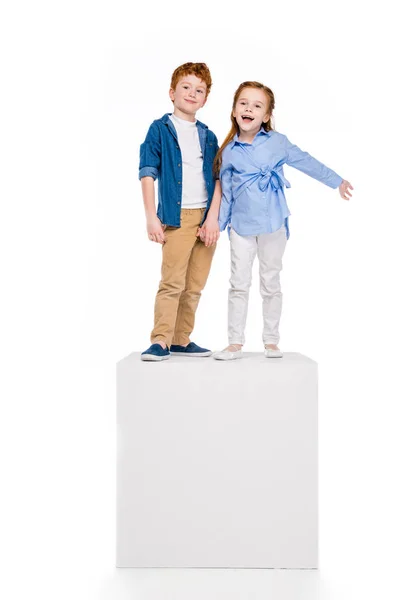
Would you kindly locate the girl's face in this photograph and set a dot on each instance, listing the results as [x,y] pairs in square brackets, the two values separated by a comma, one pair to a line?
[251,110]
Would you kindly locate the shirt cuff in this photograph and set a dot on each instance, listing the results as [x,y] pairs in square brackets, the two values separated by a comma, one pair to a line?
[148,172]
[336,181]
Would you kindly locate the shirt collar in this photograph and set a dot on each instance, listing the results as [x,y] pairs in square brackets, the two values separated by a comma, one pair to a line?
[259,133]
[165,118]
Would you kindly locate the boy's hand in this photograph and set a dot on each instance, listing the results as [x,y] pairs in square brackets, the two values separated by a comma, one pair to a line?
[155,231]
[209,232]
[344,188]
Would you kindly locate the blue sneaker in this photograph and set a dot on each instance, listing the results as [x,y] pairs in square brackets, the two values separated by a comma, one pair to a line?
[155,352]
[191,349]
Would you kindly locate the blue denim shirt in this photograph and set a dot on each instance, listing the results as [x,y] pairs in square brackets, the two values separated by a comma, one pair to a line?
[161,158]
[253,183]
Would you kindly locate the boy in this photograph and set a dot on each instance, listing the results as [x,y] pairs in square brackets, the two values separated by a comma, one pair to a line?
[180,151]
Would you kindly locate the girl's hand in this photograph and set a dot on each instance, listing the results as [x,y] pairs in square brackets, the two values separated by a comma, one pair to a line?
[344,188]
[155,231]
[209,233]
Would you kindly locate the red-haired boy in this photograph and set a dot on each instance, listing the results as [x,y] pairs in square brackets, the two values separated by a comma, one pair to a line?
[179,151]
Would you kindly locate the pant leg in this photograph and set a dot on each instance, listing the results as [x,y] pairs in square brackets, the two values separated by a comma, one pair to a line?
[243,252]
[271,247]
[196,278]
[176,250]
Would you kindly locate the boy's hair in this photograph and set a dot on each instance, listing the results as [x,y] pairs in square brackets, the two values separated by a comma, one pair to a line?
[235,127]
[200,70]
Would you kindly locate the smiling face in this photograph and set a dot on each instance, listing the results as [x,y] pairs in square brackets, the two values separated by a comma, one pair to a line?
[251,111]
[189,95]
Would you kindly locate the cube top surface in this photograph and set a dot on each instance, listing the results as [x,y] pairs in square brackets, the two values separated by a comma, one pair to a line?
[249,359]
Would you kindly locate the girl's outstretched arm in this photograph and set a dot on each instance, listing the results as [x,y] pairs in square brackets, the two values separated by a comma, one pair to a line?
[314,168]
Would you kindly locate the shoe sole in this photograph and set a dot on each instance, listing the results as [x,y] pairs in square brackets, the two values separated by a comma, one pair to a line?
[152,358]
[192,354]
[228,357]
[273,355]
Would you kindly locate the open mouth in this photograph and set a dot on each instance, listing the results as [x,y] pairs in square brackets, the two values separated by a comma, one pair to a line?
[247,118]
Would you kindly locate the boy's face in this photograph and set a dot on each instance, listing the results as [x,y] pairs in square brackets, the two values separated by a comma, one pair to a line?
[190,95]
[251,110]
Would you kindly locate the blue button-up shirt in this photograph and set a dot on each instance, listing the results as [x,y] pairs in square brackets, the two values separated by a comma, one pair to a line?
[161,158]
[253,183]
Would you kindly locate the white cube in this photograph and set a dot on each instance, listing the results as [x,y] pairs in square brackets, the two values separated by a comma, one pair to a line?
[217,462]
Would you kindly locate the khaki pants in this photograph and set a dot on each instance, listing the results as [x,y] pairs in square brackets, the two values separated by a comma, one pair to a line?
[185,267]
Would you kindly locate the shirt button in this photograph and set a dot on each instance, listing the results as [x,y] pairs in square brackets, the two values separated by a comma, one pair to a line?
[178,202]
[179,164]
[179,183]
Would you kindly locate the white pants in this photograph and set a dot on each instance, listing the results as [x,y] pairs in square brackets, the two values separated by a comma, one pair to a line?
[270,248]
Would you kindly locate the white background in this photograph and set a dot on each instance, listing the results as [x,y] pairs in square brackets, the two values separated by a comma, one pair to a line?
[81,83]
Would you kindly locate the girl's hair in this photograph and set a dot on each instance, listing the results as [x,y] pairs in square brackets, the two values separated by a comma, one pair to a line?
[235,127]
[200,70]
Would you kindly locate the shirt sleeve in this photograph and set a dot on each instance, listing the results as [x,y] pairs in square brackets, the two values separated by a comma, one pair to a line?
[310,166]
[150,153]
[215,149]
[225,210]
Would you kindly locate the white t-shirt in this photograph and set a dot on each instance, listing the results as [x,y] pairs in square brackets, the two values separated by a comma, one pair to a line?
[194,192]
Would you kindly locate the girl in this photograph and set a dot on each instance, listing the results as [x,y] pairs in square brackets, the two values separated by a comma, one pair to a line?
[253,206]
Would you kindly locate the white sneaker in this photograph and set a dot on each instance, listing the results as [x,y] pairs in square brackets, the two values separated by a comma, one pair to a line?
[270,353]
[227,354]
